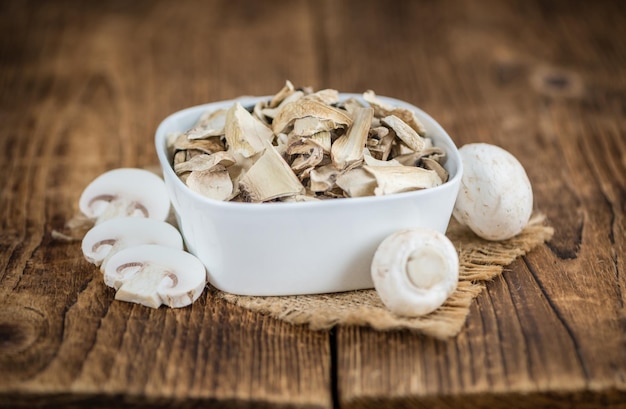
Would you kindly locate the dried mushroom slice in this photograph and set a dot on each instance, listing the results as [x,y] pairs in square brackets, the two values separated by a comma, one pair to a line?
[205,162]
[326,96]
[357,183]
[308,155]
[383,109]
[407,134]
[214,183]
[432,164]
[351,104]
[380,141]
[286,91]
[305,107]
[311,125]
[207,145]
[348,149]
[210,124]
[244,133]
[271,113]
[269,178]
[323,178]
[302,145]
[323,139]
[397,179]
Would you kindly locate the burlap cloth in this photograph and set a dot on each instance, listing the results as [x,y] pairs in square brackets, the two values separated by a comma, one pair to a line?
[480,261]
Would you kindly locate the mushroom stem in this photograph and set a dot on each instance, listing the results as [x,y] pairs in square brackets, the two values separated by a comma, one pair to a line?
[414,271]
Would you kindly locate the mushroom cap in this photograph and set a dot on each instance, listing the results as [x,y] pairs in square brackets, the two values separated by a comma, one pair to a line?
[414,271]
[137,186]
[151,275]
[121,232]
[496,198]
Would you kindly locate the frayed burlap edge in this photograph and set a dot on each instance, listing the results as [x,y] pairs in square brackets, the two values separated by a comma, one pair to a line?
[479,261]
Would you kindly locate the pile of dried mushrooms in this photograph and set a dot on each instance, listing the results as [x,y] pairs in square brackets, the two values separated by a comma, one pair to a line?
[302,145]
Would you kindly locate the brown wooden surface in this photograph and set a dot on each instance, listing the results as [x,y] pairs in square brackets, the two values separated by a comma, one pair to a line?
[83,86]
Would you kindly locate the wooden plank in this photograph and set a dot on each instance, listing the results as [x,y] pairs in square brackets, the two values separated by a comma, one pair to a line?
[546,81]
[84,86]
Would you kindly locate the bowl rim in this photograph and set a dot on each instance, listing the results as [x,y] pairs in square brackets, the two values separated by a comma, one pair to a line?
[161,137]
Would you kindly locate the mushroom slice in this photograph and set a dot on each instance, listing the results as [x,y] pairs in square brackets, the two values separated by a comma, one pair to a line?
[208,145]
[125,192]
[269,178]
[111,236]
[299,198]
[380,141]
[323,178]
[351,104]
[244,133]
[372,161]
[405,133]
[383,109]
[396,179]
[273,112]
[304,107]
[310,125]
[414,158]
[357,183]
[210,124]
[432,164]
[415,271]
[152,275]
[205,162]
[323,139]
[214,183]
[287,90]
[348,148]
[327,96]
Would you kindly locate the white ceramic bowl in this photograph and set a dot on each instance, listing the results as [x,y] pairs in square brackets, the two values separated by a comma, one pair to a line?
[306,247]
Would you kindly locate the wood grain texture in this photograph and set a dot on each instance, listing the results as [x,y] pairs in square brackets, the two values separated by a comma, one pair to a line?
[545,80]
[83,86]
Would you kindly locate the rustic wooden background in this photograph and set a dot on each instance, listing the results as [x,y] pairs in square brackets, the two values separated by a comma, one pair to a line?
[83,85]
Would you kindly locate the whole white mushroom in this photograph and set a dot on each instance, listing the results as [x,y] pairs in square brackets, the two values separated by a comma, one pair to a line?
[495,199]
[415,271]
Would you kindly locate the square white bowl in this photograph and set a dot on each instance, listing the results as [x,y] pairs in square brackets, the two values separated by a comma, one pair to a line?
[300,248]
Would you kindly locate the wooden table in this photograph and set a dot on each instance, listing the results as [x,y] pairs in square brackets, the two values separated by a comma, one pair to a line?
[83,86]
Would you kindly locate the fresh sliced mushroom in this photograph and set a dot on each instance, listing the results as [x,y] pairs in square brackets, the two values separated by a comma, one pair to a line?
[348,149]
[415,271]
[244,133]
[111,236]
[125,192]
[153,275]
